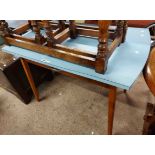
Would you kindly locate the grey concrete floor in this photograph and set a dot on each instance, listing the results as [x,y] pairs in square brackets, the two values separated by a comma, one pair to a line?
[74,107]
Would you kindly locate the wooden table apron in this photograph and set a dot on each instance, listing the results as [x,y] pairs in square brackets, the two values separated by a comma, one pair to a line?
[112,89]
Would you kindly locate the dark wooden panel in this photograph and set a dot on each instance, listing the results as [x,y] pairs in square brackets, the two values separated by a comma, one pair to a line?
[13,79]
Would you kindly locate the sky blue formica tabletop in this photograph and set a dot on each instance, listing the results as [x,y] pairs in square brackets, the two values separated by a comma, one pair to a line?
[124,66]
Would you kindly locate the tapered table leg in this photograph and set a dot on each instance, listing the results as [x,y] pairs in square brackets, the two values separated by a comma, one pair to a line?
[111,109]
[30,78]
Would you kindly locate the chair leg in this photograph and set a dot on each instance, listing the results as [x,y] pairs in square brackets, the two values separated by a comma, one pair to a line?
[111,109]
[30,78]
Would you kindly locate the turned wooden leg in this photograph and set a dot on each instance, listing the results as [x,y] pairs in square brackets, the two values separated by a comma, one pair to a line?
[30,78]
[103,52]
[111,109]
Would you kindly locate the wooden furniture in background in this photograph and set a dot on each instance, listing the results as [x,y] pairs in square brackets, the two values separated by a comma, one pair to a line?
[149,120]
[140,23]
[150,24]
[131,23]
[13,78]
[149,76]
[149,71]
[57,32]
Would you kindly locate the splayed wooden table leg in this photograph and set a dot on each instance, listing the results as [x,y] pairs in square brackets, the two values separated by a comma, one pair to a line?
[30,78]
[111,108]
